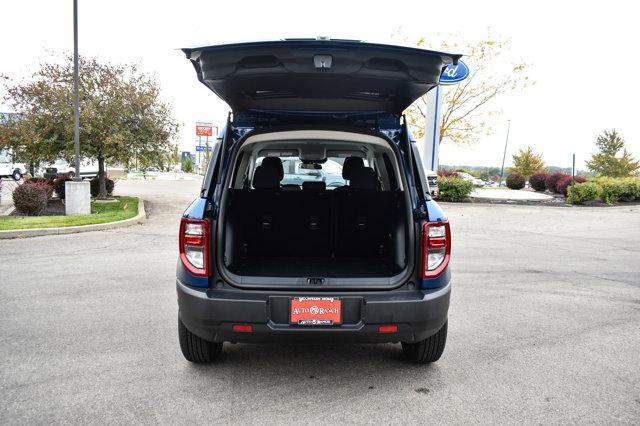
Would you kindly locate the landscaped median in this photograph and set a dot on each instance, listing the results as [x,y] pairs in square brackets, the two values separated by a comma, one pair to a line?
[122,211]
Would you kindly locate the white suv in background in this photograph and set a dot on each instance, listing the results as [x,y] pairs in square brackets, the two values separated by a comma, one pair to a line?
[9,168]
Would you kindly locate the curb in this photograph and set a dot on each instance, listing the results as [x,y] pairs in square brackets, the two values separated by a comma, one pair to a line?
[37,232]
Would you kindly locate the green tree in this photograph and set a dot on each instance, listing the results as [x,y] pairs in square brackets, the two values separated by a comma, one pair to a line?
[526,162]
[468,108]
[187,165]
[612,158]
[121,114]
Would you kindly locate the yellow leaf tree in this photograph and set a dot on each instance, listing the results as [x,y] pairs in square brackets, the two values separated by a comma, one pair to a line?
[468,108]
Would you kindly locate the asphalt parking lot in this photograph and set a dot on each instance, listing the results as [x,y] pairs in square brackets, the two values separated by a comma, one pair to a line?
[544,327]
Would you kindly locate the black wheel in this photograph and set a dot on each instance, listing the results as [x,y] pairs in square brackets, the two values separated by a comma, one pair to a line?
[196,349]
[16,175]
[427,350]
[71,175]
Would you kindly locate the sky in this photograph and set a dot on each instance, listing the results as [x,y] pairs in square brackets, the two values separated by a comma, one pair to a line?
[581,56]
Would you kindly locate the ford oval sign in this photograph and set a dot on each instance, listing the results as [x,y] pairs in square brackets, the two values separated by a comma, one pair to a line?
[453,74]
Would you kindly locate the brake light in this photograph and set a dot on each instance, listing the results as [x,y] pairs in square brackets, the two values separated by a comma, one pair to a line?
[194,245]
[436,248]
[242,328]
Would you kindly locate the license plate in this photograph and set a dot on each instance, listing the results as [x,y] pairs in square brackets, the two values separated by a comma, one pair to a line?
[316,311]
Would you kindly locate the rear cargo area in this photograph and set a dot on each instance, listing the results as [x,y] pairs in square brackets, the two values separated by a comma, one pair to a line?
[315,233]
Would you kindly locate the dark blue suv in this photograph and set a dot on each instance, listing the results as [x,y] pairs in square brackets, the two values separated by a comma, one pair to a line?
[265,260]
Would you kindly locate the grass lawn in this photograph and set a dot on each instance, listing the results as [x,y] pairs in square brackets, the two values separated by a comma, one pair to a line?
[125,208]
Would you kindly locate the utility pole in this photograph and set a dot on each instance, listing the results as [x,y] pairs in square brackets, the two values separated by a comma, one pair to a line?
[504,155]
[76,115]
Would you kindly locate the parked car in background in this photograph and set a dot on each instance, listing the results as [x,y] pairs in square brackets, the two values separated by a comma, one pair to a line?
[88,169]
[10,169]
[296,172]
[262,259]
[432,181]
[476,182]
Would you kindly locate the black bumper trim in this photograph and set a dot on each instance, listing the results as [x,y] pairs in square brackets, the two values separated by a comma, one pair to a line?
[211,313]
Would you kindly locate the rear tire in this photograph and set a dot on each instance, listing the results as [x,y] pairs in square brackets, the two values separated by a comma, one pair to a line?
[196,349]
[427,350]
[16,175]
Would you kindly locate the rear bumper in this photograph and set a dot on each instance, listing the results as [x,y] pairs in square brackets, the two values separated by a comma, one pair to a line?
[211,313]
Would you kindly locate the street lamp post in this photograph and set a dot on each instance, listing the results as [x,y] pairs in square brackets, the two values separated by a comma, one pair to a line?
[76,115]
[77,192]
[504,155]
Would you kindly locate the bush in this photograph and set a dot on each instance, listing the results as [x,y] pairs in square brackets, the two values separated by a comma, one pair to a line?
[30,199]
[615,189]
[515,181]
[630,189]
[581,192]
[552,181]
[566,181]
[58,185]
[453,188]
[44,182]
[538,181]
[95,186]
[447,172]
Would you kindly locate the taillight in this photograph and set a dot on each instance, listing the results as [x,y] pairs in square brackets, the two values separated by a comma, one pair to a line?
[194,245]
[436,248]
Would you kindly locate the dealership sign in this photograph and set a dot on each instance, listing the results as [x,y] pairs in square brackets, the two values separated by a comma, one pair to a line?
[453,74]
[204,129]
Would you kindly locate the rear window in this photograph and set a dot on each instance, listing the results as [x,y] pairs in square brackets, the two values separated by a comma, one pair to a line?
[296,172]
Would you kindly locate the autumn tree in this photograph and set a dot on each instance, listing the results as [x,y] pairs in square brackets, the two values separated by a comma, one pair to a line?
[469,106]
[526,162]
[121,113]
[612,158]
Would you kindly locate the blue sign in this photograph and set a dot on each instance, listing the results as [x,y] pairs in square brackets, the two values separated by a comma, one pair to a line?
[453,74]
[202,148]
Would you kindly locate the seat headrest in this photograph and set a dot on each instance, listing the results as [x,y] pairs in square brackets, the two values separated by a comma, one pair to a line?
[365,179]
[351,164]
[266,178]
[290,187]
[275,163]
[314,186]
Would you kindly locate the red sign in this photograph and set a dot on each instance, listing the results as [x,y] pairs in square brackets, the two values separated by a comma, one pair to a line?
[316,311]
[204,129]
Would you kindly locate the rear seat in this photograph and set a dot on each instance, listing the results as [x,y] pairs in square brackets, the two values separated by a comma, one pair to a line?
[314,222]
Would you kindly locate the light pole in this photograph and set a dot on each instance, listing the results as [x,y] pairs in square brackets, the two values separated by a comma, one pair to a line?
[77,192]
[76,115]
[504,155]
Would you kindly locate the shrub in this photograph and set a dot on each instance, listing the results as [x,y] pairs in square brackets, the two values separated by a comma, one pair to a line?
[453,188]
[552,181]
[581,192]
[58,185]
[95,186]
[44,182]
[447,172]
[30,199]
[538,181]
[566,181]
[630,189]
[612,189]
[515,181]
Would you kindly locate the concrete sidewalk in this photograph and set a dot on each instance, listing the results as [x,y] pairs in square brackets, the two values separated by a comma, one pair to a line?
[495,194]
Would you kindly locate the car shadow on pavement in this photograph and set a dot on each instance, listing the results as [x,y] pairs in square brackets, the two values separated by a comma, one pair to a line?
[285,362]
